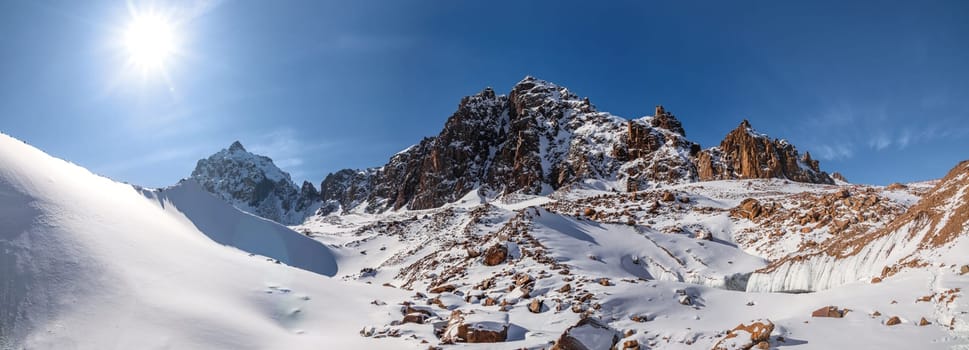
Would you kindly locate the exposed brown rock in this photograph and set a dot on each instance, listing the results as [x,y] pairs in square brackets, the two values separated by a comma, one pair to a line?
[418,318]
[828,311]
[442,289]
[895,186]
[495,254]
[586,326]
[894,320]
[924,322]
[964,269]
[458,331]
[838,176]
[565,288]
[668,196]
[536,306]
[746,336]
[745,154]
[630,345]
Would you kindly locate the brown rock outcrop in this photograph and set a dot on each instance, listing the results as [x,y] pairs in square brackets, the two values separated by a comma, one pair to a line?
[746,336]
[495,255]
[591,328]
[745,154]
[828,311]
[460,331]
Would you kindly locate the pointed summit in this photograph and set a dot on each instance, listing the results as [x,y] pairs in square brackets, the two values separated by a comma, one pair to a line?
[746,154]
[744,125]
[236,146]
[666,120]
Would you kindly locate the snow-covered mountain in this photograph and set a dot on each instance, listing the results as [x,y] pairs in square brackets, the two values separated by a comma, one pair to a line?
[542,137]
[254,184]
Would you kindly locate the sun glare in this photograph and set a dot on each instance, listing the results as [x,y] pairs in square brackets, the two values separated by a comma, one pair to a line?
[150,41]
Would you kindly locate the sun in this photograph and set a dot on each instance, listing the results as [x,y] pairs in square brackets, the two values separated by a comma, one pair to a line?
[150,42]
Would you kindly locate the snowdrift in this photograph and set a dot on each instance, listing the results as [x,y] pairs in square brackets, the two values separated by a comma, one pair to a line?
[227,225]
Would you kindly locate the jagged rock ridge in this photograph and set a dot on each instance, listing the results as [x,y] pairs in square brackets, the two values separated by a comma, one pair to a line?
[746,154]
[254,184]
[541,137]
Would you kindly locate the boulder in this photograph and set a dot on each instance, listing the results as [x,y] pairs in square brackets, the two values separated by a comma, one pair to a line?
[894,320]
[477,327]
[588,334]
[495,254]
[536,306]
[668,196]
[444,288]
[828,311]
[746,336]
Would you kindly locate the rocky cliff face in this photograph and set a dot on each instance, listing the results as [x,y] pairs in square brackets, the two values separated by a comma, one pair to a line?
[746,154]
[539,138]
[254,184]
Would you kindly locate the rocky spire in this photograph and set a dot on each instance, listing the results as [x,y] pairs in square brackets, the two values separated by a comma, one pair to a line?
[746,154]
[666,120]
[236,147]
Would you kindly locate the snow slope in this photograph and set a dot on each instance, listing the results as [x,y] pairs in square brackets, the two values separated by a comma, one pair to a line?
[88,263]
[229,226]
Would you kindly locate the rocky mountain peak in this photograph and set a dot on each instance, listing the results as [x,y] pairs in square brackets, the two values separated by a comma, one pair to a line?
[666,120]
[236,147]
[744,153]
[254,184]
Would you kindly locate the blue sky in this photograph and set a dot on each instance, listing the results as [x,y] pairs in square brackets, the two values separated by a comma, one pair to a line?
[877,90]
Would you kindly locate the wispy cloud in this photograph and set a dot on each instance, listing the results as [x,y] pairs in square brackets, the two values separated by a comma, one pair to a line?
[287,149]
[833,152]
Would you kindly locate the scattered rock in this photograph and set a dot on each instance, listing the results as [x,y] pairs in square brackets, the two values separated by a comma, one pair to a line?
[828,311]
[894,320]
[924,322]
[536,306]
[605,282]
[588,334]
[495,254]
[479,327]
[566,288]
[444,288]
[876,280]
[668,196]
[640,318]
[964,269]
[416,317]
[746,336]
[895,186]
[630,345]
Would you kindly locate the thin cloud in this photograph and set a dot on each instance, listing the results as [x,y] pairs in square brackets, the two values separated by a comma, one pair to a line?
[833,152]
[287,150]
